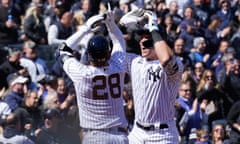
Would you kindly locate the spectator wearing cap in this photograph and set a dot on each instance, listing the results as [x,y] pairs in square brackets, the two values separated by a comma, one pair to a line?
[33,24]
[17,88]
[60,31]
[11,132]
[53,12]
[55,131]
[30,114]
[30,60]
[11,65]
[189,32]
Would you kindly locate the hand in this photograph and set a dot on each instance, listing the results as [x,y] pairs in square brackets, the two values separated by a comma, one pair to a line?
[109,16]
[152,21]
[93,23]
[132,18]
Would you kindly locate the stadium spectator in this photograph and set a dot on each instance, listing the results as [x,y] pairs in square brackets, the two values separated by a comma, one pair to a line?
[11,65]
[59,31]
[179,50]
[31,61]
[192,117]
[234,122]
[210,91]
[9,24]
[55,131]
[33,24]
[17,89]
[229,77]
[30,114]
[11,131]
[219,134]
[199,67]
[198,52]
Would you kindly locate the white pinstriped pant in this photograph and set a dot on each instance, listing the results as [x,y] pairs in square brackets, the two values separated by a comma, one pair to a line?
[106,136]
[161,136]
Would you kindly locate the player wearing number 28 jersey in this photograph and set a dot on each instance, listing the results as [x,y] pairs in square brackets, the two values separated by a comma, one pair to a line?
[99,84]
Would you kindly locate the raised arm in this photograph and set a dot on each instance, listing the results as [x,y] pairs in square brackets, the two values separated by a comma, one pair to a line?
[163,51]
[114,32]
[68,46]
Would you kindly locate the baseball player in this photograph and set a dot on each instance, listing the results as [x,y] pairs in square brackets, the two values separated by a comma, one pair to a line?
[99,84]
[155,79]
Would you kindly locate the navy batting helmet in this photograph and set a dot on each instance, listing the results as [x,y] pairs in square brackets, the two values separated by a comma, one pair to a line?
[98,49]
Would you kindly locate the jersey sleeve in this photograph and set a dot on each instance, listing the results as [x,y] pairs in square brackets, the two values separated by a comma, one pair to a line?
[74,69]
[174,68]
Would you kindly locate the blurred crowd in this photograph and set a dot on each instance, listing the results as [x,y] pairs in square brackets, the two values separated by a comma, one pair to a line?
[38,101]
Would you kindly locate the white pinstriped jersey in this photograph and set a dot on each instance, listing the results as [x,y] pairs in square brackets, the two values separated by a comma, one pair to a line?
[154,91]
[99,90]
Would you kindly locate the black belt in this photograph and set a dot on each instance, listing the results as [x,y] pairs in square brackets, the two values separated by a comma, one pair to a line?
[120,129]
[151,127]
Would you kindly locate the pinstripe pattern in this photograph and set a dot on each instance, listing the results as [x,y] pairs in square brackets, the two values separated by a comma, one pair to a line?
[99,90]
[99,94]
[154,94]
[153,99]
[96,114]
[161,136]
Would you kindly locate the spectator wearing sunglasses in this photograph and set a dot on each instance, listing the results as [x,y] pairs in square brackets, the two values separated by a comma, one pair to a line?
[211,97]
[191,117]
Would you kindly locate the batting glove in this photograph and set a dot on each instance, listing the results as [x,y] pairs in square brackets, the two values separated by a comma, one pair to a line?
[133,17]
[94,22]
[152,21]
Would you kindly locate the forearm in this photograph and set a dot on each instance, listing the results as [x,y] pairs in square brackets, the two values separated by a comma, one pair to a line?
[73,40]
[116,36]
[163,51]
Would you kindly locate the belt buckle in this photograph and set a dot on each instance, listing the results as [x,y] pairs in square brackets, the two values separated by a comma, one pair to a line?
[151,127]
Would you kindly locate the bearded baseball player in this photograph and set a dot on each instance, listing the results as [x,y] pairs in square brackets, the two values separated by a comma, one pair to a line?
[155,79]
[99,84]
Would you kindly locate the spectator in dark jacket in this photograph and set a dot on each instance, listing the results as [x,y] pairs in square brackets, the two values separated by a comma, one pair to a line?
[233,119]
[11,132]
[33,24]
[9,23]
[11,65]
[30,114]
